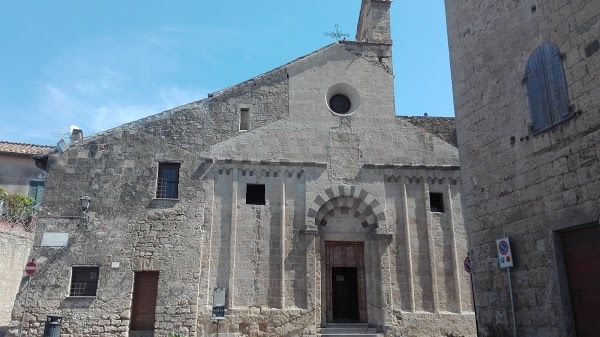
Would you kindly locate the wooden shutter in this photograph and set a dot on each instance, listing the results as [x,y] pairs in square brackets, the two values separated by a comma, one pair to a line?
[557,84]
[546,88]
[143,312]
[36,191]
[537,93]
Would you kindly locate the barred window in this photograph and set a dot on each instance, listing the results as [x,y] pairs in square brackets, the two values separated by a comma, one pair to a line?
[167,185]
[84,281]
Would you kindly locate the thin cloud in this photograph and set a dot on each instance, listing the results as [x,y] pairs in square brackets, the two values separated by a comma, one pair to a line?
[103,83]
[67,107]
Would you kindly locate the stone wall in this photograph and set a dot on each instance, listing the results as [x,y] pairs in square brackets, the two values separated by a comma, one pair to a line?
[15,246]
[443,127]
[525,185]
[315,166]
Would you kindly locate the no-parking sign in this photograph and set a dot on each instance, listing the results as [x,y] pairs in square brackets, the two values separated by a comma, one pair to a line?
[467,264]
[504,253]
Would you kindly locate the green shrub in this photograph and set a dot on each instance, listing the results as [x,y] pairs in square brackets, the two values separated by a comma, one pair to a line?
[15,205]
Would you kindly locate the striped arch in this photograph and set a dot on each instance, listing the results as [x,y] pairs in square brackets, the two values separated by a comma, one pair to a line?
[351,200]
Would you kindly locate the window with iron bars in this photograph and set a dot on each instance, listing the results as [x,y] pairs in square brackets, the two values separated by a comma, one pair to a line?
[84,281]
[167,186]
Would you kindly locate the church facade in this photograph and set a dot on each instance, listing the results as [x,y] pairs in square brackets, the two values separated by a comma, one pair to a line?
[299,194]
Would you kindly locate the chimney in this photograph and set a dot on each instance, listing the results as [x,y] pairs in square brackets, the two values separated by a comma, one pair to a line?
[374,22]
[76,133]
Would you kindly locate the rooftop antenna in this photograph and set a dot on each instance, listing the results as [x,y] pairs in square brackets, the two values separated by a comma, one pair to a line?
[65,134]
[338,35]
[61,134]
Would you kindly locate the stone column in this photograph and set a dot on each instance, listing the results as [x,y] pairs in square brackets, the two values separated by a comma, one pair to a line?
[383,241]
[408,246]
[313,271]
[431,244]
[455,256]
[283,237]
[234,200]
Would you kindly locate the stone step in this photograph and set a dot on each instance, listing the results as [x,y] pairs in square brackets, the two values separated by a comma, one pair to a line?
[351,335]
[351,330]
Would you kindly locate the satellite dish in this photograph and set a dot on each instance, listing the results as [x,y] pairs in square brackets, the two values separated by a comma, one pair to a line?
[62,145]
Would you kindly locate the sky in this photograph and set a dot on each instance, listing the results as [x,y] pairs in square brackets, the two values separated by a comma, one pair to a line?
[100,64]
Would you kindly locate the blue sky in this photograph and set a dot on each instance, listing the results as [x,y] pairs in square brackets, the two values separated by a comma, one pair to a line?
[99,64]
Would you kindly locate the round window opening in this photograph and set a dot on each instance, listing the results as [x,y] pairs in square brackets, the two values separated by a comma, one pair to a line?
[342,99]
[340,104]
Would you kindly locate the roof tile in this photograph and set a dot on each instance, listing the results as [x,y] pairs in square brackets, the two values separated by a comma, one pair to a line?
[22,148]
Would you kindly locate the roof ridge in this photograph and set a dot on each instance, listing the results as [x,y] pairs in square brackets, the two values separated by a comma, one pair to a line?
[268,73]
[27,144]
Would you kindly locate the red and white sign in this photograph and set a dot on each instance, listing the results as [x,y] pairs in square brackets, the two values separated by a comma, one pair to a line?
[467,264]
[504,253]
[30,268]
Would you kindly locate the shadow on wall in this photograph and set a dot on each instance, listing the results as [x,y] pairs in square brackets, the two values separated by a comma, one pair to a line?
[3,330]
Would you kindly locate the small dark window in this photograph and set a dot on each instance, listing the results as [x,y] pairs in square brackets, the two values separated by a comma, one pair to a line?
[255,194]
[84,281]
[546,88]
[167,185]
[244,119]
[340,104]
[436,202]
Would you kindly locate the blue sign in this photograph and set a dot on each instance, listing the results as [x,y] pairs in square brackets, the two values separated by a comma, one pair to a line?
[503,247]
[218,313]
[504,253]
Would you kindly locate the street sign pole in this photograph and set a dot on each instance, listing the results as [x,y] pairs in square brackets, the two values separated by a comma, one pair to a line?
[512,304]
[24,306]
[30,269]
[505,259]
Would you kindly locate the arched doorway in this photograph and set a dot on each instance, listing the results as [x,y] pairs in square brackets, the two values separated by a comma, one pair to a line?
[346,224]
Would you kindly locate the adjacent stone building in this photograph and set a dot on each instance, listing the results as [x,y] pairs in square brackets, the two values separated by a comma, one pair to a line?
[18,171]
[18,174]
[526,81]
[299,192]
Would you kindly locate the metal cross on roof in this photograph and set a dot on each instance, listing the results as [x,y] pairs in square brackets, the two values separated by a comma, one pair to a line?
[338,35]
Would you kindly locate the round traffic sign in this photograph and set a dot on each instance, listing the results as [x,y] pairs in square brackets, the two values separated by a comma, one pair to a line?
[30,268]
[467,264]
[503,247]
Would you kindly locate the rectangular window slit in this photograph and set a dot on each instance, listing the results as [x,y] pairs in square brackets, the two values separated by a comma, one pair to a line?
[436,202]
[255,194]
[244,119]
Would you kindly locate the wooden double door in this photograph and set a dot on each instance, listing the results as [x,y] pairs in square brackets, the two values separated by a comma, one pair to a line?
[345,269]
[581,248]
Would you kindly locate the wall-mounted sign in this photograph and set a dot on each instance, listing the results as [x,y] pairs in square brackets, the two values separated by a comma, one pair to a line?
[219,297]
[504,254]
[467,264]
[218,313]
[30,268]
[55,240]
